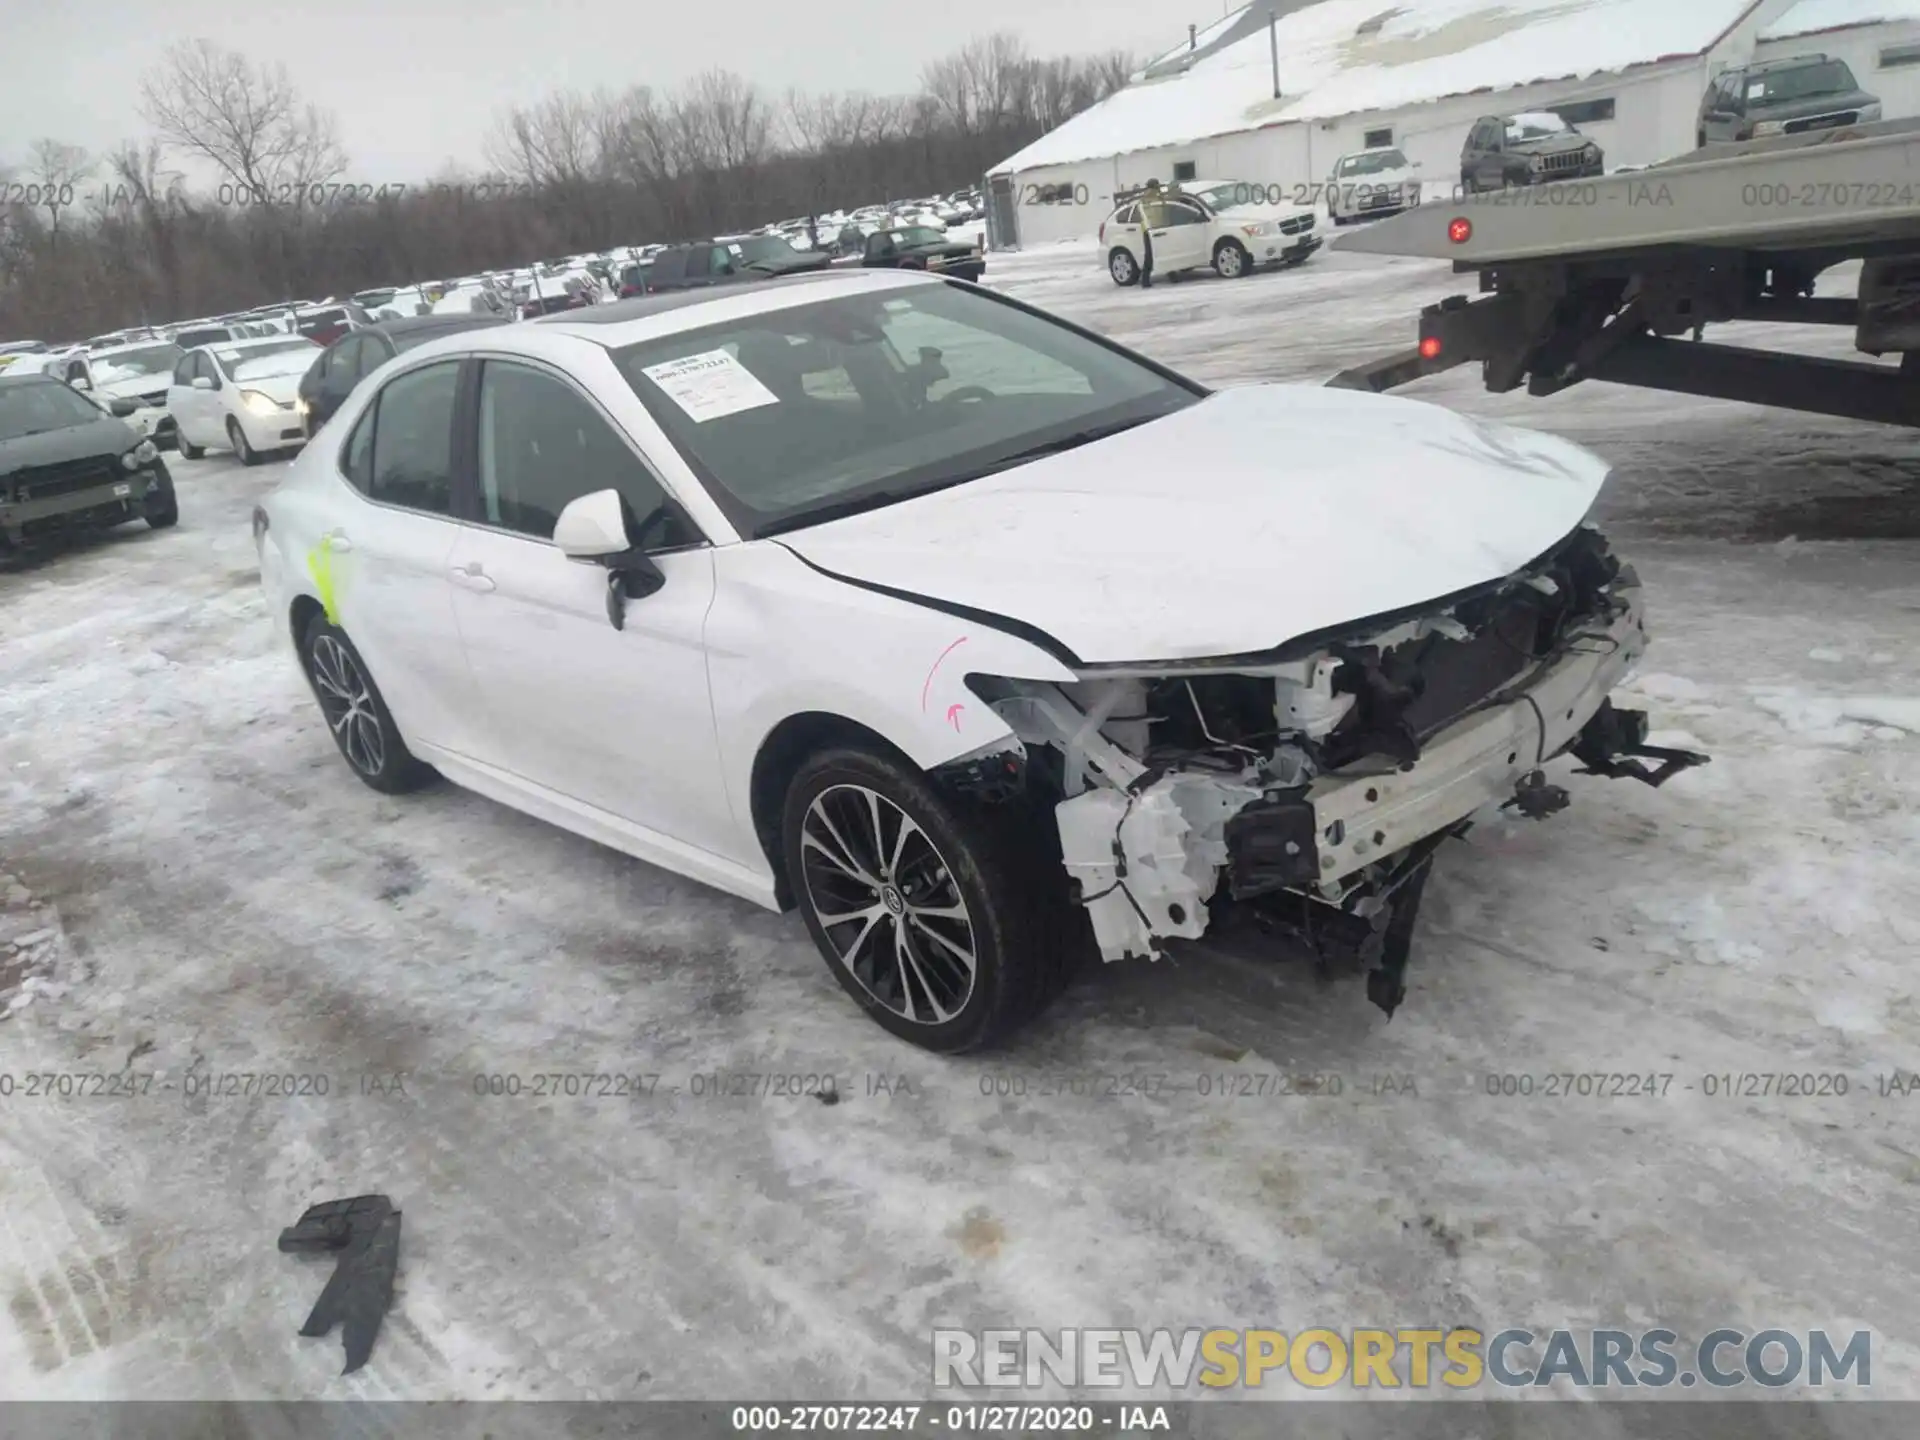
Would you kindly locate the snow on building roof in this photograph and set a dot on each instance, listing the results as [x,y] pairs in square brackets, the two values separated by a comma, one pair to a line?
[1342,57]
[1809,17]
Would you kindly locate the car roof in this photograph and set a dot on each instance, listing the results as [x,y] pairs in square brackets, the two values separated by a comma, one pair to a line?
[11,377]
[644,307]
[414,324]
[1787,62]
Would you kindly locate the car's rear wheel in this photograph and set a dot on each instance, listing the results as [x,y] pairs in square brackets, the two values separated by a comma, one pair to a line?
[936,914]
[248,455]
[162,504]
[1122,267]
[362,726]
[1230,260]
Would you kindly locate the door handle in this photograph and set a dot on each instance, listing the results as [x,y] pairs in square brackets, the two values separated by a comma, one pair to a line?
[472,577]
[338,543]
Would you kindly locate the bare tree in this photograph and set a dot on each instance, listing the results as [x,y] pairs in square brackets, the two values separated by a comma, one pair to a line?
[58,170]
[246,121]
[558,141]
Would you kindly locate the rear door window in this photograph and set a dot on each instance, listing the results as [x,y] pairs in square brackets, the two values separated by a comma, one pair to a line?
[412,460]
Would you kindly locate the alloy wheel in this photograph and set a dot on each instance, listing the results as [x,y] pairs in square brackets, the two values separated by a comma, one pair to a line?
[347,702]
[888,904]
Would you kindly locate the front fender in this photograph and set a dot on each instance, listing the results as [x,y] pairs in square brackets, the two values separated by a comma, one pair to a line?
[783,639]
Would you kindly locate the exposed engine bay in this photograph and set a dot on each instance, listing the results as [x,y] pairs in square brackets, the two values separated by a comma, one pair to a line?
[1314,783]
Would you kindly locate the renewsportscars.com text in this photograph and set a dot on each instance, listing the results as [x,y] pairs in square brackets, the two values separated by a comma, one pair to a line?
[1415,1358]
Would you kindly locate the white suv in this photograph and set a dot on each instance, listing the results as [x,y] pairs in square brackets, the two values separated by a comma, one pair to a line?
[1233,226]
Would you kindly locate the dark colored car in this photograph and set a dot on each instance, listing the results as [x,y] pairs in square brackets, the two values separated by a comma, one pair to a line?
[68,463]
[772,255]
[690,267]
[551,295]
[325,325]
[1531,148]
[921,247]
[633,279]
[1783,97]
[350,359]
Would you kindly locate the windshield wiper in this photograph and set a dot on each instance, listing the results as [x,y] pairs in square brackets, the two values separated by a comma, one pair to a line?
[1048,447]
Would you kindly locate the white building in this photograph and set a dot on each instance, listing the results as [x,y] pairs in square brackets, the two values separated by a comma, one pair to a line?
[1276,104]
[1879,40]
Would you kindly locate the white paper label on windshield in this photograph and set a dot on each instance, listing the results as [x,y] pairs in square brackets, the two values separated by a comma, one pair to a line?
[710,385]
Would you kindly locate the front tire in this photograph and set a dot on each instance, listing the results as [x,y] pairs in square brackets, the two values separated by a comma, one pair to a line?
[248,455]
[1231,260]
[362,726]
[189,450]
[162,504]
[936,914]
[1122,267]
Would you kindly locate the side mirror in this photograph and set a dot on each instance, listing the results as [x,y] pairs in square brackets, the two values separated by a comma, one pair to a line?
[81,382]
[593,530]
[201,382]
[121,408]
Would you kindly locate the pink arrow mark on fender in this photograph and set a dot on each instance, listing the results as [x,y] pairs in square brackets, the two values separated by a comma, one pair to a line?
[953,716]
[927,685]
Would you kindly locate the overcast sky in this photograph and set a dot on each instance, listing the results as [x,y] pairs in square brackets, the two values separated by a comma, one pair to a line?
[414,82]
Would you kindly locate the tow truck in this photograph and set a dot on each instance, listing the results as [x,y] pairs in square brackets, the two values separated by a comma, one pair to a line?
[1599,279]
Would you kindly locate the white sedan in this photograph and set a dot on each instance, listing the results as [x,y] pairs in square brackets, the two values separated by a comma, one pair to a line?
[241,396]
[1371,184]
[1232,226]
[982,641]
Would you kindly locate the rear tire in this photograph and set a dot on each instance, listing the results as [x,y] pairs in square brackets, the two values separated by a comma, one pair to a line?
[915,882]
[351,704]
[248,455]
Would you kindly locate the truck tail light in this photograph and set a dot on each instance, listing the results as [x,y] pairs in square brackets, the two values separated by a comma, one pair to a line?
[1430,347]
[1459,230]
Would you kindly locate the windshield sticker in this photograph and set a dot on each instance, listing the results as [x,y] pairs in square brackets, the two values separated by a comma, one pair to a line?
[710,385]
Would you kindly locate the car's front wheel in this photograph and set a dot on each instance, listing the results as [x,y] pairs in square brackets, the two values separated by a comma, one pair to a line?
[362,725]
[1122,267]
[936,914]
[1230,260]
[162,504]
[189,450]
[241,447]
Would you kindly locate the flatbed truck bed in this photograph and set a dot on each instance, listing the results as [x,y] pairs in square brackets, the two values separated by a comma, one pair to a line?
[1596,279]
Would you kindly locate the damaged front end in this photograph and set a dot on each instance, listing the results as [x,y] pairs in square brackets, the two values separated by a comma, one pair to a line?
[1313,785]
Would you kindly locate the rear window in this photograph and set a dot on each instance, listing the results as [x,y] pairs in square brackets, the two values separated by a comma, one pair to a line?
[211,335]
[322,317]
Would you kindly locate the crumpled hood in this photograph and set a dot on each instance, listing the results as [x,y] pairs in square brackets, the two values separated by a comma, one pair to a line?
[106,436]
[1242,522]
[132,387]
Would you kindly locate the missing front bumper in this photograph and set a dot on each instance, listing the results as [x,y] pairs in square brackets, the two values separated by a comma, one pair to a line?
[1340,861]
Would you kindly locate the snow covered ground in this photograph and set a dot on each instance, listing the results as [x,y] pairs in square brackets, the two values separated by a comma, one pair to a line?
[191,882]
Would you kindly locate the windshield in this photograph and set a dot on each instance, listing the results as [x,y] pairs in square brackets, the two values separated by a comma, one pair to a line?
[864,399]
[1537,127]
[919,235]
[36,408]
[263,362]
[763,247]
[126,364]
[1804,82]
[1374,162]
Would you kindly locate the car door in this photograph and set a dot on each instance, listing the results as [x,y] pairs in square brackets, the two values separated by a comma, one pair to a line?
[180,396]
[616,719]
[1123,232]
[1184,238]
[388,557]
